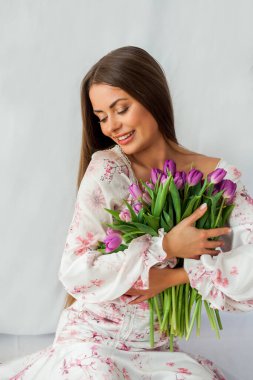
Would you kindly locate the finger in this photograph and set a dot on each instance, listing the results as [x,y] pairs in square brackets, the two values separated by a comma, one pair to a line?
[214,244]
[212,232]
[198,213]
[195,257]
[138,300]
[212,252]
[135,292]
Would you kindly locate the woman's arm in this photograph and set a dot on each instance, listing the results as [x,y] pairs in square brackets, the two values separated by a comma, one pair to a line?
[87,274]
[159,280]
[226,280]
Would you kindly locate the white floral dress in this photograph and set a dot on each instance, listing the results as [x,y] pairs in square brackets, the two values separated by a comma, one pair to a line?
[101,336]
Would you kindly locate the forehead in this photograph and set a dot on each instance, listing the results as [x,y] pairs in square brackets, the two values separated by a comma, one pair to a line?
[102,95]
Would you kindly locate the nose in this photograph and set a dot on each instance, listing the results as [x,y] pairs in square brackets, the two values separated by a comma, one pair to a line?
[113,125]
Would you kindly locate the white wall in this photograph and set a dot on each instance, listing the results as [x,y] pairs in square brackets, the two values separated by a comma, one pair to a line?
[46,47]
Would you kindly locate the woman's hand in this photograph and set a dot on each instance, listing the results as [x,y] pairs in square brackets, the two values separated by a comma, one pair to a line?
[159,280]
[186,241]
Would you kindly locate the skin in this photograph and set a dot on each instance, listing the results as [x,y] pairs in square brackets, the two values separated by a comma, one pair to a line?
[147,150]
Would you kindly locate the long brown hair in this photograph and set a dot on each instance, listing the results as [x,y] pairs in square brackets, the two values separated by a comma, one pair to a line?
[136,72]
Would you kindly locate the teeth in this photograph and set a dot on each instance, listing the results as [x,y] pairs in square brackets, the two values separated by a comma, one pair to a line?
[124,137]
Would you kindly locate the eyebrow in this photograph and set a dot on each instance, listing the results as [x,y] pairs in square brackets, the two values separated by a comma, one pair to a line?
[111,105]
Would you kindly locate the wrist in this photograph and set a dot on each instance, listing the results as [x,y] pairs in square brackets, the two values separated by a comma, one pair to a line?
[166,248]
[176,276]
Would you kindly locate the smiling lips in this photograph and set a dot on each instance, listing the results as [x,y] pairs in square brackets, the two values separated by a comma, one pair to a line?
[125,139]
[123,136]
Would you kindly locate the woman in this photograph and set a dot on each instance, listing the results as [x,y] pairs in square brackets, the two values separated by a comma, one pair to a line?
[103,333]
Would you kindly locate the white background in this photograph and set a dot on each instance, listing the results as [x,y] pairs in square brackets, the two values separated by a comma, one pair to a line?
[46,47]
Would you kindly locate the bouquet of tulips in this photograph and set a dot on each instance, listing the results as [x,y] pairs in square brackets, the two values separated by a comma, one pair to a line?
[165,200]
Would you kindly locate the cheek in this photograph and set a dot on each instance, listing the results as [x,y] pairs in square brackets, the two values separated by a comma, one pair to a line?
[104,130]
[138,117]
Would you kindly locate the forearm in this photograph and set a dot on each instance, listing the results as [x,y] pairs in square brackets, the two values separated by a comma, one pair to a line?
[175,277]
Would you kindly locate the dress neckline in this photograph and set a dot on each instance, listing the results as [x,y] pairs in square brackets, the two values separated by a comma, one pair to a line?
[129,165]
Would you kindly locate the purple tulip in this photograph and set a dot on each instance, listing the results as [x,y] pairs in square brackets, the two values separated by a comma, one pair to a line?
[231,200]
[216,176]
[155,175]
[163,178]
[135,191]
[179,179]
[216,189]
[229,188]
[112,241]
[137,207]
[169,165]
[194,177]
[109,231]
[150,185]
[125,215]
[146,197]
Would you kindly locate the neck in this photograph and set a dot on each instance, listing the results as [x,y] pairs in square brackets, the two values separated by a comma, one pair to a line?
[155,155]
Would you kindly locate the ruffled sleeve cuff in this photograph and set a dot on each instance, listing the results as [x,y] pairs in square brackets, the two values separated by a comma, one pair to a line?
[155,256]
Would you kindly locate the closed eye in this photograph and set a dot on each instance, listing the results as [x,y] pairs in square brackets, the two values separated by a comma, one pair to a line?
[120,112]
[123,111]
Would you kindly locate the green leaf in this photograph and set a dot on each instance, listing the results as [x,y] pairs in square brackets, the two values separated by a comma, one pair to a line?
[210,189]
[115,214]
[171,212]
[122,247]
[133,215]
[195,190]
[150,191]
[130,234]
[161,197]
[190,206]
[123,227]
[147,229]
[203,187]
[164,224]
[152,221]
[214,212]
[167,219]
[226,213]
[201,222]
[176,200]
[140,216]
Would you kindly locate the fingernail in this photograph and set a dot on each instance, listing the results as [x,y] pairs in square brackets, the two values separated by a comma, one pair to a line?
[203,206]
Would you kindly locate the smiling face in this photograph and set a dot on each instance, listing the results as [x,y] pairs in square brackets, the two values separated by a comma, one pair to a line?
[121,114]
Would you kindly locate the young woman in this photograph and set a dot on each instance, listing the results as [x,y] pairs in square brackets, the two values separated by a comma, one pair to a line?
[103,332]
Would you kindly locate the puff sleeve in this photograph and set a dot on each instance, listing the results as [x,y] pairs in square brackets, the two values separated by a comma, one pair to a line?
[226,280]
[86,273]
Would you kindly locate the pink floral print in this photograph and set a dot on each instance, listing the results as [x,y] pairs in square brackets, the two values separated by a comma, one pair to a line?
[101,336]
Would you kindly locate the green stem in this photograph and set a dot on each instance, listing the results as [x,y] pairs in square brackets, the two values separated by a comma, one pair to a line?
[174,320]
[179,308]
[199,318]
[171,341]
[216,327]
[167,306]
[217,314]
[186,306]
[193,318]
[211,316]
[182,318]
[208,311]
[151,322]
[155,300]
[219,213]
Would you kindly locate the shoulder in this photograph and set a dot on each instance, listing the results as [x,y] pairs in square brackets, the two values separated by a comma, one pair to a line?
[201,162]
[107,166]
[105,154]
[208,164]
